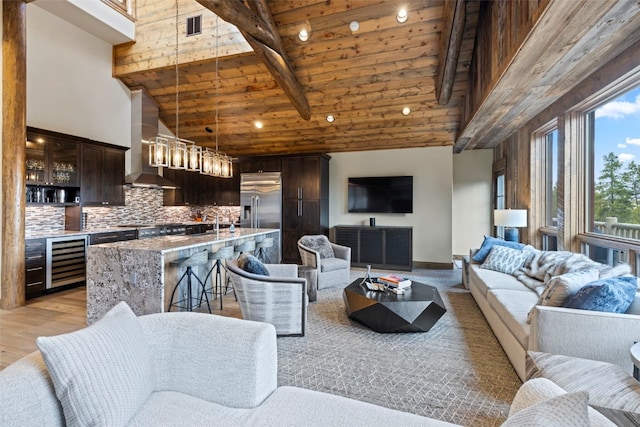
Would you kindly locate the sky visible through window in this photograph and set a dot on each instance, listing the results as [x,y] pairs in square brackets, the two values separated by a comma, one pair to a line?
[617,130]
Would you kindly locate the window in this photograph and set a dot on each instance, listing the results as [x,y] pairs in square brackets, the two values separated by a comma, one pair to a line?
[551,178]
[613,142]
[545,174]
[499,201]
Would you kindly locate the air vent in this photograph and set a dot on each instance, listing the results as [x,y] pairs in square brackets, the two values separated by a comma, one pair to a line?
[194,25]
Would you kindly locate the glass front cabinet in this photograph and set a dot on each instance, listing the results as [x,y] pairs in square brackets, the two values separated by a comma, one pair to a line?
[51,168]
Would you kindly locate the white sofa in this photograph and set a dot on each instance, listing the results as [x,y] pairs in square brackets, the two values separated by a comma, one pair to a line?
[506,302]
[206,370]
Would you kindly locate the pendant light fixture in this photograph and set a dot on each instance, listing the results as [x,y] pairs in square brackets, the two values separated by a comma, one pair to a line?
[213,162]
[172,151]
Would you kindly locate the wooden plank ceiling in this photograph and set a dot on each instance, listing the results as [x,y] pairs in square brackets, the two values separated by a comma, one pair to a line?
[363,78]
[529,53]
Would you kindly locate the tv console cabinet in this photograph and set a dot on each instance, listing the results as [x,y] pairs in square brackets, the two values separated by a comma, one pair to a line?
[380,247]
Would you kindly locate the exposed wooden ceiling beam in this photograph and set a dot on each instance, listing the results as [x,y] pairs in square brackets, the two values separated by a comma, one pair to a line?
[259,29]
[452,34]
[236,13]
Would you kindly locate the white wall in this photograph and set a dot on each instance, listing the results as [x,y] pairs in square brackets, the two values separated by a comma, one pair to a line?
[472,188]
[69,84]
[432,194]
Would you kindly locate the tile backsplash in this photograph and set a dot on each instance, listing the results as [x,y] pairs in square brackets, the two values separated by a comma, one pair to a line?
[142,206]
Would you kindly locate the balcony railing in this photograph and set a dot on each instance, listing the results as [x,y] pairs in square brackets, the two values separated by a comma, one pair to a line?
[126,7]
[612,227]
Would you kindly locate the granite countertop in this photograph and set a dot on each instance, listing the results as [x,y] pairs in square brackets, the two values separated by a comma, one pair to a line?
[96,230]
[62,233]
[166,244]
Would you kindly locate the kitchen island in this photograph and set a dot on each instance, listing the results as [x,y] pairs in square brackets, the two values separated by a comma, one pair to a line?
[139,271]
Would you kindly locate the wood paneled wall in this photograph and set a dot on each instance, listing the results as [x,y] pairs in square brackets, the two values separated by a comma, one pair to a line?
[502,28]
[156,38]
[520,157]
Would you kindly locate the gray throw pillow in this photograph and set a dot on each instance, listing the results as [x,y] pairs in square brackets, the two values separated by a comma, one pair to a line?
[101,374]
[253,265]
[505,260]
[320,244]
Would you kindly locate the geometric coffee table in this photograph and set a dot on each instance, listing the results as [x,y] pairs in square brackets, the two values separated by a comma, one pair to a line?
[417,310]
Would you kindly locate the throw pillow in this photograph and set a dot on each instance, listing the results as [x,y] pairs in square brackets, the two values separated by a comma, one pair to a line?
[567,410]
[320,244]
[613,295]
[559,288]
[101,374]
[505,260]
[488,243]
[252,265]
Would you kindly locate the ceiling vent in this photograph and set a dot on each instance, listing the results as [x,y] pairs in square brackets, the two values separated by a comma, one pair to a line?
[194,25]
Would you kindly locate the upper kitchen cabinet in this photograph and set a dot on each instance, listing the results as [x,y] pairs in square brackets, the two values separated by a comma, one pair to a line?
[51,159]
[102,178]
[261,164]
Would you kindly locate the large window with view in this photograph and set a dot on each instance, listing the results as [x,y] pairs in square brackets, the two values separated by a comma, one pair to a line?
[613,138]
[612,216]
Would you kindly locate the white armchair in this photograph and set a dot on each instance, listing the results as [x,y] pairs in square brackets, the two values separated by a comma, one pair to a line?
[332,261]
[280,298]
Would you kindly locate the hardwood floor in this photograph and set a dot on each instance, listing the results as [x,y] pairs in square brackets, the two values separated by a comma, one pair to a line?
[55,314]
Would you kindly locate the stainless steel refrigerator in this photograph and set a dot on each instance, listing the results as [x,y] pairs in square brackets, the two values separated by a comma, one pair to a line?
[261,202]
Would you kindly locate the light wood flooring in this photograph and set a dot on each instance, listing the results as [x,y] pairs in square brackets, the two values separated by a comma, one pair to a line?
[59,313]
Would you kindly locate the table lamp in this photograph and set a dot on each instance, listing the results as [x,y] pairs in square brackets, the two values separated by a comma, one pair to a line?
[510,219]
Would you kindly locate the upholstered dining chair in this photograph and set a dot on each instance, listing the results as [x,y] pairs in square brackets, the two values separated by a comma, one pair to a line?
[332,261]
[279,298]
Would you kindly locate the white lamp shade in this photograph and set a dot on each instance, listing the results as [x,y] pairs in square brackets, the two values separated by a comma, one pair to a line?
[510,217]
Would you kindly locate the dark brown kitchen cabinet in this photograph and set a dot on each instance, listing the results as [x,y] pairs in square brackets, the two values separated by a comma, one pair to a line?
[305,194]
[260,164]
[227,191]
[189,188]
[102,177]
[203,190]
[34,268]
[51,159]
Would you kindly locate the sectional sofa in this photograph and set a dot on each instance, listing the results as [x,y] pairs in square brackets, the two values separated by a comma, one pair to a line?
[520,323]
[201,369]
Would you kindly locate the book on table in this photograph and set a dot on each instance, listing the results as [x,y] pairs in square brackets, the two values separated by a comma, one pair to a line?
[395,281]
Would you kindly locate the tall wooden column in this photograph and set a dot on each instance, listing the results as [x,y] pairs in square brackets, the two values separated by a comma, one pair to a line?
[14,112]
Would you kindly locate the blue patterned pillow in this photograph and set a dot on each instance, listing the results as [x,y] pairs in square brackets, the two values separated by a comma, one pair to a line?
[490,242]
[505,260]
[613,295]
[252,265]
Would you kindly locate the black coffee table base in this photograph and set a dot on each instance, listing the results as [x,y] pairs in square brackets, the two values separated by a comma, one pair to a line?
[417,310]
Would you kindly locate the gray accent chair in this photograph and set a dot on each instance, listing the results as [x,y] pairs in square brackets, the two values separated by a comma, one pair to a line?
[332,261]
[280,298]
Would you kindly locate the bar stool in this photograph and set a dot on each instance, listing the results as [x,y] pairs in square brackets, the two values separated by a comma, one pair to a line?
[261,249]
[221,254]
[199,258]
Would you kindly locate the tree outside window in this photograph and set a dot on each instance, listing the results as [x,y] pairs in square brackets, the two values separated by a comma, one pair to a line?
[615,144]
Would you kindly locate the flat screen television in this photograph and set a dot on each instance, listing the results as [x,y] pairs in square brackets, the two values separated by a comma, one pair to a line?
[381,194]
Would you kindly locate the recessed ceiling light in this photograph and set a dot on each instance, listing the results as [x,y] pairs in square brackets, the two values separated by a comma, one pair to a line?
[303,35]
[40,140]
[406,111]
[354,26]
[330,118]
[402,15]
[258,125]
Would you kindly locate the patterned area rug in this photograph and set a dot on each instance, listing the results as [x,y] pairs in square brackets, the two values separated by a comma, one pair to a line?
[456,372]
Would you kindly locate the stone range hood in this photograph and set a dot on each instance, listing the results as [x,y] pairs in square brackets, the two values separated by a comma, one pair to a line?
[144,127]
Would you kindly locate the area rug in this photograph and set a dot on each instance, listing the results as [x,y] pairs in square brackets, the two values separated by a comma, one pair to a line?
[456,372]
